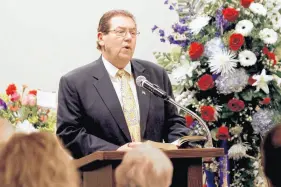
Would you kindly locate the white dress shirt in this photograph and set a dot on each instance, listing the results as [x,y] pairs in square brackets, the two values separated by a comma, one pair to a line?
[116,81]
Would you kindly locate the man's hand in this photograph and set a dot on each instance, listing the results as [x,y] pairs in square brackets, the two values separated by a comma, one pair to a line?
[129,146]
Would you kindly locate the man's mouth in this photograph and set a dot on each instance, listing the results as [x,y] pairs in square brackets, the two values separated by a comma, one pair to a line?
[127,47]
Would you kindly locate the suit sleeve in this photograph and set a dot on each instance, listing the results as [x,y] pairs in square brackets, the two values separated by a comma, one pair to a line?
[70,127]
[174,123]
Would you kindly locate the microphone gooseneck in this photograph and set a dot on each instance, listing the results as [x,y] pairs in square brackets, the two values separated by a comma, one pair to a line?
[141,81]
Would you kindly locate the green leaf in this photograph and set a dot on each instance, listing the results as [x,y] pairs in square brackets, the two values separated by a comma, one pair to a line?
[226,114]
[278,73]
[259,94]
[247,95]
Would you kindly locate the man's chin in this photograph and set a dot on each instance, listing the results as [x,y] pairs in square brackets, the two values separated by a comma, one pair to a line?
[126,57]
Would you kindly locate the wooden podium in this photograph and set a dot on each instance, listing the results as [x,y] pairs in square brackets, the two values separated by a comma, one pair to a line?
[98,168]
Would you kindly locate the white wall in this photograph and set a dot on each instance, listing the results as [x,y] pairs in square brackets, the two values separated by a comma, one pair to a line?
[42,40]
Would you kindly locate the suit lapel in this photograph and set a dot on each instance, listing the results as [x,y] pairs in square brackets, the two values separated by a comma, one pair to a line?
[143,95]
[106,91]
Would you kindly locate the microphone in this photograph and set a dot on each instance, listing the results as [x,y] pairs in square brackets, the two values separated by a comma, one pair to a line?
[141,81]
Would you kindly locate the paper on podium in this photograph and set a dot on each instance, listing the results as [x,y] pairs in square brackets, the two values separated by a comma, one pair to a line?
[183,142]
[47,99]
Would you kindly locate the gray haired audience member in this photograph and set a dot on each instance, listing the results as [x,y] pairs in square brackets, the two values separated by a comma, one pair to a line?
[272,155]
[144,166]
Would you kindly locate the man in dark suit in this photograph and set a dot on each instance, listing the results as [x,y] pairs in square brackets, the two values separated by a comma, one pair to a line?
[100,109]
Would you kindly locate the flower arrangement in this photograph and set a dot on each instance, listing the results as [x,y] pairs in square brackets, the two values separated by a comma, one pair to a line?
[225,65]
[24,113]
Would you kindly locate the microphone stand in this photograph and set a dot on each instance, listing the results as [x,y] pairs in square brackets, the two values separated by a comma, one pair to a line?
[209,142]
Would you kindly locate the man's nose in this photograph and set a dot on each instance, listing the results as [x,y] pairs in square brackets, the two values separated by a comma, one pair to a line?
[128,36]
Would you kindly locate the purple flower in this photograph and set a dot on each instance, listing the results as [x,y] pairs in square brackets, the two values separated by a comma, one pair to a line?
[183,20]
[162,33]
[154,28]
[3,105]
[171,39]
[193,124]
[171,7]
[215,76]
[182,43]
[166,2]
[180,28]
[221,23]
[162,40]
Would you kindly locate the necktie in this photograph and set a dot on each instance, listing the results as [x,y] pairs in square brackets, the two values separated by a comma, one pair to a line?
[129,106]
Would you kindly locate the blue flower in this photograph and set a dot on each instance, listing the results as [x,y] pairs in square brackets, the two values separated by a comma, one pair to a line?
[171,7]
[166,2]
[3,105]
[171,39]
[179,29]
[162,40]
[221,23]
[162,33]
[154,28]
[215,76]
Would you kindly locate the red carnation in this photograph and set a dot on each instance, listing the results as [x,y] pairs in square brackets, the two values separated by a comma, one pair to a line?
[208,113]
[11,89]
[230,14]
[33,92]
[266,101]
[206,82]
[223,133]
[236,105]
[246,3]
[236,41]
[195,50]
[251,81]
[189,120]
[265,50]
[272,56]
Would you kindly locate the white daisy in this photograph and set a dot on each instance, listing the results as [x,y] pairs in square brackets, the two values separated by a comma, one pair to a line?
[212,46]
[223,61]
[247,58]
[258,8]
[238,151]
[269,36]
[262,81]
[244,27]
[197,24]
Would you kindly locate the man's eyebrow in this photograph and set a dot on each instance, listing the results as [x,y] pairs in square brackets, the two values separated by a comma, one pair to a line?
[132,28]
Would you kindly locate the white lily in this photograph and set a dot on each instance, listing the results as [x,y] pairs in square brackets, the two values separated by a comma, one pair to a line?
[262,81]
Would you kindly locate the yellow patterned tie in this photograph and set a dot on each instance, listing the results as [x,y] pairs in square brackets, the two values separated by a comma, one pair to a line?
[129,106]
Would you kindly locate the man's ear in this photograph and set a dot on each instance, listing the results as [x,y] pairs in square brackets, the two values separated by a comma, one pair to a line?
[100,39]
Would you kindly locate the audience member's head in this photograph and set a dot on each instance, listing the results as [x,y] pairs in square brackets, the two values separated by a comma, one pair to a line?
[272,155]
[144,166]
[6,129]
[36,160]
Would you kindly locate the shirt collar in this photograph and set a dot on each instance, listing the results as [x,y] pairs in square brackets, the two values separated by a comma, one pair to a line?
[112,70]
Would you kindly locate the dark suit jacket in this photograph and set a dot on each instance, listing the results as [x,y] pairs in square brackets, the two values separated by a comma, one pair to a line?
[90,117]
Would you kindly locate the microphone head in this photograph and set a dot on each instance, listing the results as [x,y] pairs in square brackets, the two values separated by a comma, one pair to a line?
[140,80]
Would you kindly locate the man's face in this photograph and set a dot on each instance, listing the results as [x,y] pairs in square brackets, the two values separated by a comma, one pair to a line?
[118,45]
